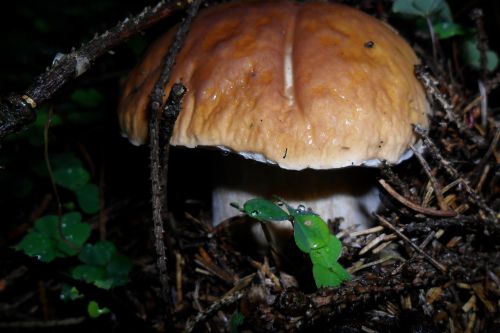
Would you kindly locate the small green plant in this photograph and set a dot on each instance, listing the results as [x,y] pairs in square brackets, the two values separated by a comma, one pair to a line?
[311,235]
[55,237]
[437,15]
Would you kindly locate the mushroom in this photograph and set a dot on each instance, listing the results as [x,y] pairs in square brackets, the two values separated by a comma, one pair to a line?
[316,92]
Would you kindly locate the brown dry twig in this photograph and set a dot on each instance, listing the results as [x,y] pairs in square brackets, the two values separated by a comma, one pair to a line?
[159,147]
[433,261]
[452,172]
[414,206]
[437,188]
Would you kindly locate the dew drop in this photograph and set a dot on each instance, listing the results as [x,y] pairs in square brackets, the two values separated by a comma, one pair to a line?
[254,213]
[301,209]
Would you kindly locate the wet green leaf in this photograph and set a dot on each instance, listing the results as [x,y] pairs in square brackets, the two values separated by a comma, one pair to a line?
[75,232]
[39,245]
[310,232]
[88,198]
[264,210]
[71,178]
[98,254]
[328,254]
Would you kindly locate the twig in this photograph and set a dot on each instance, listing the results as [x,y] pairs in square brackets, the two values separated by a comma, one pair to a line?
[431,85]
[434,182]
[452,172]
[159,152]
[44,323]
[482,42]
[353,270]
[48,164]
[433,261]
[414,206]
[17,110]
[227,299]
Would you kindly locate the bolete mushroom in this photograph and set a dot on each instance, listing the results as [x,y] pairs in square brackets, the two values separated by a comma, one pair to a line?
[297,86]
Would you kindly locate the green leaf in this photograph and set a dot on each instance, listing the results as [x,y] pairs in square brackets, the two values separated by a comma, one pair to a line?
[39,245]
[448,29]
[310,232]
[437,9]
[328,254]
[99,254]
[65,160]
[48,225]
[472,55]
[330,276]
[45,241]
[71,178]
[69,293]
[324,277]
[75,232]
[88,198]
[89,273]
[89,98]
[264,210]
[118,269]
[95,311]
[236,320]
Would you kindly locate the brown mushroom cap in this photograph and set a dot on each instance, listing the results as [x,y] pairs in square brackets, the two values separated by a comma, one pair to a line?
[313,85]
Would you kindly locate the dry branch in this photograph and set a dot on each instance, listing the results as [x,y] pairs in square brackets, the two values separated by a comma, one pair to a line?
[18,110]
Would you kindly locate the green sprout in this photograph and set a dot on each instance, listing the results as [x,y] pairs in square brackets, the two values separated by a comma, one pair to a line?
[311,235]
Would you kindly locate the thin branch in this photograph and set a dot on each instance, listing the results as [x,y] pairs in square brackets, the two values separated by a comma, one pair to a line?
[434,182]
[388,225]
[452,172]
[414,206]
[159,151]
[18,110]
[431,85]
[43,323]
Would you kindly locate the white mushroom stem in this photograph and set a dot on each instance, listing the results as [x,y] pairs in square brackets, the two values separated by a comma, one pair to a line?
[349,193]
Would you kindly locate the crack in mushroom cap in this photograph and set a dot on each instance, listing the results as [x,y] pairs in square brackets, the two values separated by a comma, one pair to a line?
[313,85]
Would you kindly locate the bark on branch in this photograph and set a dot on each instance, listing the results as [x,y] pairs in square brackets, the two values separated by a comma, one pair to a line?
[18,110]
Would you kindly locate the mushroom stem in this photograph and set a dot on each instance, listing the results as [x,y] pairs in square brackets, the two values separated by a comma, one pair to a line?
[349,193]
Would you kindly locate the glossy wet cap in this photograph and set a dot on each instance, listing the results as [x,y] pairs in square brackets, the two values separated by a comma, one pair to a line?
[313,85]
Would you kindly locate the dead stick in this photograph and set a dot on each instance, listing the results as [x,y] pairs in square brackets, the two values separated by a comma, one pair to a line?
[18,110]
[414,206]
[435,184]
[159,151]
[452,172]
[433,261]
